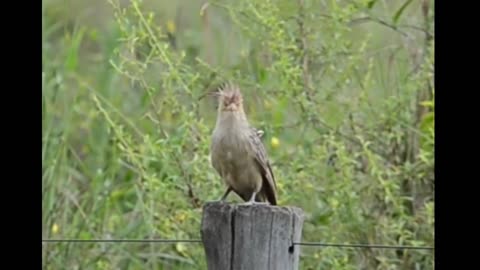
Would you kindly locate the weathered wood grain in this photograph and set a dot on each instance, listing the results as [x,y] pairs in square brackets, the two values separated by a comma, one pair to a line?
[255,237]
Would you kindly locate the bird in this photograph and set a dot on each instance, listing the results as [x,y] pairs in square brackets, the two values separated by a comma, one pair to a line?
[237,152]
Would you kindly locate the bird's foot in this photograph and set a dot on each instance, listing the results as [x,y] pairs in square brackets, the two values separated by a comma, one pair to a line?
[254,203]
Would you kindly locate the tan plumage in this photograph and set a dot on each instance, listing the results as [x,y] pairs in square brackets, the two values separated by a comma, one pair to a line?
[237,152]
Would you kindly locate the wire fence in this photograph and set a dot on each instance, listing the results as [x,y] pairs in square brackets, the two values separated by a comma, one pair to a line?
[316,244]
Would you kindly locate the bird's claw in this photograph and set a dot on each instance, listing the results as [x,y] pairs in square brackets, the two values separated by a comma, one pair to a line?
[254,203]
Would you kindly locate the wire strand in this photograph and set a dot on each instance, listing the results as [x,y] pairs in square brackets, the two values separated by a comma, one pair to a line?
[121,240]
[360,246]
[317,244]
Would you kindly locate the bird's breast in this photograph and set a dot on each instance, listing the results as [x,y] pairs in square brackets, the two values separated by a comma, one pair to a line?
[232,147]
[232,155]
[229,155]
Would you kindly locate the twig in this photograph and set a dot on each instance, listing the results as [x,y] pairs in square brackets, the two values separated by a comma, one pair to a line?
[425,31]
[207,31]
[193,199]
[380,21]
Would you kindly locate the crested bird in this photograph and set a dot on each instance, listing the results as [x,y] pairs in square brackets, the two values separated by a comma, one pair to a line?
[237,152]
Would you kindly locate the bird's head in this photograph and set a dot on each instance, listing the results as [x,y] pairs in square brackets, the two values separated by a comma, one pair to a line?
[230,99]
[229,104]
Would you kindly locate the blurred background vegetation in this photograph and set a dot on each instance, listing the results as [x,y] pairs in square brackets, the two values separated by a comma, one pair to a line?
[343,90]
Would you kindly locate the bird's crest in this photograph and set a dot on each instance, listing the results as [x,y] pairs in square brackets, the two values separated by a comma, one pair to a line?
[230,93]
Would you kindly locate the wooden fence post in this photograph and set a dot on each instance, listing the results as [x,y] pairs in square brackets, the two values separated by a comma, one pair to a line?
[256,237]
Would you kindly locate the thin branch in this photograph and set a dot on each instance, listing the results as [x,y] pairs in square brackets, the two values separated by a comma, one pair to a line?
[380,21]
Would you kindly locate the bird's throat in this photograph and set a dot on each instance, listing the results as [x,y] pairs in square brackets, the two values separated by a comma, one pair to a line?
[231,120]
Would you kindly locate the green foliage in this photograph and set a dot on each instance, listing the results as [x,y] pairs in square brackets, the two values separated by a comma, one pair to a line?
[345,97]
[399,12]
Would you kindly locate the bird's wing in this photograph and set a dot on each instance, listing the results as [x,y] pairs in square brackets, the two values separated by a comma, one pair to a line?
[263,164]
[215,159]
[258,132]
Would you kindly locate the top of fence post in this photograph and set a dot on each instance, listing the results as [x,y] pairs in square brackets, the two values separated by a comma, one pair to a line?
[253,237]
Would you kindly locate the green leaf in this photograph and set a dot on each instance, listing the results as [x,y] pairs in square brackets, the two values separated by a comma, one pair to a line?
[72,57]
[399,12]
[262,75]
[426,126]
[278,115]
[427,103]
[84,235]
[428,122]
[370,4]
